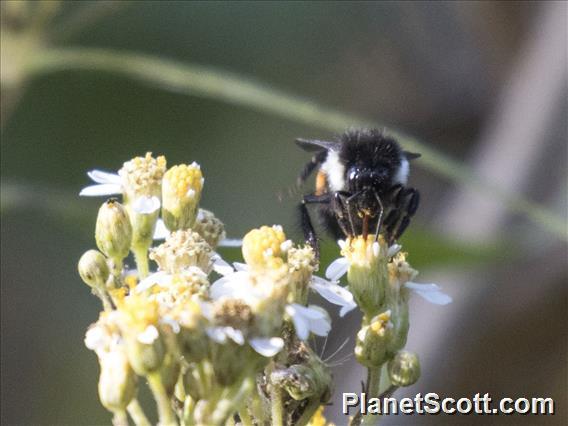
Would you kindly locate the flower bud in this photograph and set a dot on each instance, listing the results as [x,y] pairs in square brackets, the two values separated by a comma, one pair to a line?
[144,342]
[373,340]
[367,274]
[142,183]
[113,231]
[93,269]
[117,382]
[301,265]
[404,369]
[145,357]
[181,250]
[303,381]
[265,247]
[209,227]
[181,192]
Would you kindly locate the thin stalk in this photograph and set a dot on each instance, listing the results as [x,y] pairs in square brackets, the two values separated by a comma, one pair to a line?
[165,411]
[373,391]
[137,413]
[246,419]
[210,83]
[276,406]
[142,263]
[120,418]
[309,411]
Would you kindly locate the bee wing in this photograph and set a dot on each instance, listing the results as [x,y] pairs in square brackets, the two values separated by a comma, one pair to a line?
[412,155]
[312,145]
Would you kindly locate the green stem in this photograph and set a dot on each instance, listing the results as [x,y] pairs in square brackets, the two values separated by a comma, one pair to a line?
[246,419]
[137,413]
[211,83]
[309,411]
[165,411]
[120,418]
[277,406]
[372,390]
[142,263]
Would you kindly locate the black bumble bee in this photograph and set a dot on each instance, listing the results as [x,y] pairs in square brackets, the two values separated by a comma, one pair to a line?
[360,186]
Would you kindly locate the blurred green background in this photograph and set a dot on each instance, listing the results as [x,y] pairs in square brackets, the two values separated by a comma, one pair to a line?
[484,83]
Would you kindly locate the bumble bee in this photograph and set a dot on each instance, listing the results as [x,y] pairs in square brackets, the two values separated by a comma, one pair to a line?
[360,186]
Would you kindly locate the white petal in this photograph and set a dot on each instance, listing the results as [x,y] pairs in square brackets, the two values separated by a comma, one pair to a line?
[335,294]
[217,334]
[99,176]
[94,338]
[231,242]
[431,292]
[394,249]
[101,189]
[320,323]
[161,232]
[172,323]
[306,319]
[267,347]
[240,266]
[229,285]
[220,266]
[146,205]
[160,278]
[337,269]
[235,335]
[148,335]
[300,323]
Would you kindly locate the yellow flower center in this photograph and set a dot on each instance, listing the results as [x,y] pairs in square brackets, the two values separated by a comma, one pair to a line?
[139,311]
[265,247]
[183,179]
[360,250]
[381,322]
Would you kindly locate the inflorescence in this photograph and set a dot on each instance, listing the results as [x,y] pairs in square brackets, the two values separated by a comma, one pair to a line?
[220,343]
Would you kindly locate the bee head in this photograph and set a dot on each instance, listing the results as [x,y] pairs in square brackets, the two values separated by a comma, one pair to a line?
[360,178]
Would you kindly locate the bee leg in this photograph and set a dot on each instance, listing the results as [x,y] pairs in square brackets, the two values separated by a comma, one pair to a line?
[340,208]
[408,204]
[380,219]
[316,160]
[349,207]
[307,226]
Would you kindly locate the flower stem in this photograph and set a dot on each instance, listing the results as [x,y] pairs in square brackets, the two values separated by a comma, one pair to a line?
[373,390]
[137,414]
[245,417]
[120,418]
[277,406]
[309,411]
[142,264]
[165,411]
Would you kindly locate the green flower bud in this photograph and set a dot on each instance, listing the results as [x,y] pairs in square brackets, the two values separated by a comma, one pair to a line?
[373,340]
[145,358]
[93,269]
[117,382]
[181,192]
[113,231]
[303,381]
[367,274]
[404,369]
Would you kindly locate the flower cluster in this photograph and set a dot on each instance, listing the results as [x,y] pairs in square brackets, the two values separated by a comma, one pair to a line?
[381,280]
[211,339]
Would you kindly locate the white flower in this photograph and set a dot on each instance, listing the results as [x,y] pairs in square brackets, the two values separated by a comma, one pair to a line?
[330,291]
[111,184]
[238,285]
[309,319]
[431,292]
